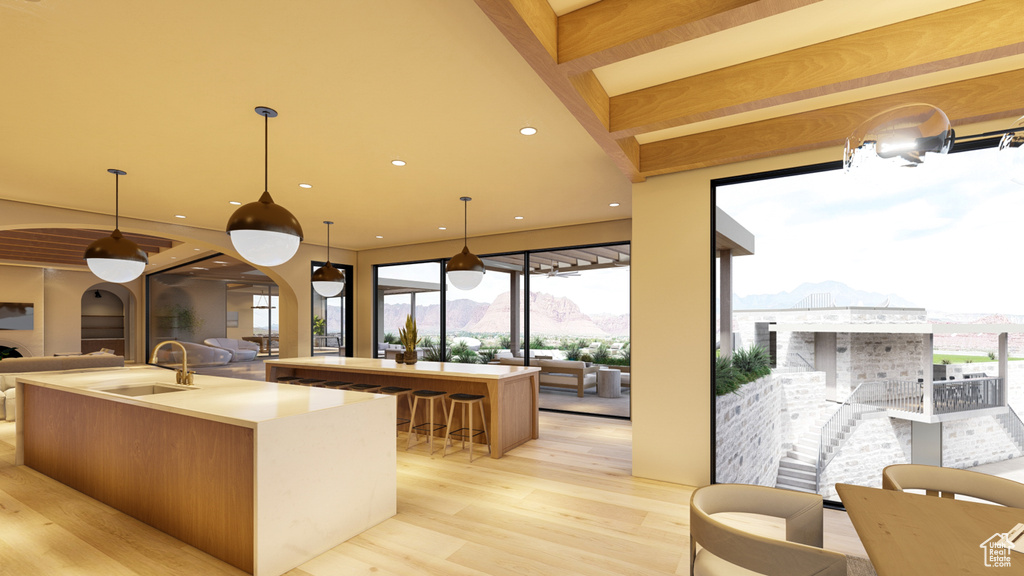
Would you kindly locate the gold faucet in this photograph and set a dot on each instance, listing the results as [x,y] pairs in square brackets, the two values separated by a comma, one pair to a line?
[182,375]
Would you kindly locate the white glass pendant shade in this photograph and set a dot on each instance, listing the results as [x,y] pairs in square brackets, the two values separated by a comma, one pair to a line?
[328,289]
[1011,149]
[113,270]
[900,136]
[465,279]
[265,247]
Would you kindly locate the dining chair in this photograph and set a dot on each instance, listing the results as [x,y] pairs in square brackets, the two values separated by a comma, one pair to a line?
[948,482]
[729,550]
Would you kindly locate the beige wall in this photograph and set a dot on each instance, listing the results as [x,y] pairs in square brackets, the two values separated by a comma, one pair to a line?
[614,231]
[63,296]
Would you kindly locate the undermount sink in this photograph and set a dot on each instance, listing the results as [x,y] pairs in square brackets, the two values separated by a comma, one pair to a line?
[147,389]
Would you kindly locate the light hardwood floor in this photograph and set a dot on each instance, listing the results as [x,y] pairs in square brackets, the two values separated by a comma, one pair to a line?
[563,504]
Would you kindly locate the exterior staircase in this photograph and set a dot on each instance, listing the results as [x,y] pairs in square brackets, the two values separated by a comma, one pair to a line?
[1013,426]
[799,468]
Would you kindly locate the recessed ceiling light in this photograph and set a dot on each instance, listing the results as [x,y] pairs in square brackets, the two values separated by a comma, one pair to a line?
[305,185]
[199,268]
[196,249]
[398,162]
[614,204]
[519,217]
[174,257]
[379,237]
[233,203]
[219,262]
[441,228]
[179,216]
[528,131]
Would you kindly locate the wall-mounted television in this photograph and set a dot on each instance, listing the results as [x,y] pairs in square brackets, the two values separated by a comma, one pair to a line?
[17,316]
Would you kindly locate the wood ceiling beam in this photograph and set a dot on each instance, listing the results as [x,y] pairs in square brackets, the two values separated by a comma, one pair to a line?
[974,100]
[530,26]
[969,34]
[613,30]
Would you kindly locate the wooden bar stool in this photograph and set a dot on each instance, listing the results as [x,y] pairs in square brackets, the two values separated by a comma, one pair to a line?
[364,387]
[287,379]
[429,397]
[398,392]
[466,432]
[312,382]
[337,385]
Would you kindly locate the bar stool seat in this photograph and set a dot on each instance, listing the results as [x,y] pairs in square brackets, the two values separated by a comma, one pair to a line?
[398,392]
[467,432]
[429,427]
[363,387]
[337,385]
[288,379]
[312,381]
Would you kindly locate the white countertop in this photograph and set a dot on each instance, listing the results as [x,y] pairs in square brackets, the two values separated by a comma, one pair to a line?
[229,400]
[420,368]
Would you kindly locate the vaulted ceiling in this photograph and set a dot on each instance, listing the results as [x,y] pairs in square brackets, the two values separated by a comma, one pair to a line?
[671,85]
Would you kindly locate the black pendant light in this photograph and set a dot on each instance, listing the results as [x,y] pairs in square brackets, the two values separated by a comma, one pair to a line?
[116,258]
[328,281]
[465,269]
[263,232]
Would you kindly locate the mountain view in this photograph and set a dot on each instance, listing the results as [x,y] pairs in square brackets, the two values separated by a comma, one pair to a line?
[549,315]
[843,295]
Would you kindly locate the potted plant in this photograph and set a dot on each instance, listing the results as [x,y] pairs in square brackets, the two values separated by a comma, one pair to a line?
[409,338]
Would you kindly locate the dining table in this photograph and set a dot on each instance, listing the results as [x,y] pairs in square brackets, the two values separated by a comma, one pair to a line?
[906,533]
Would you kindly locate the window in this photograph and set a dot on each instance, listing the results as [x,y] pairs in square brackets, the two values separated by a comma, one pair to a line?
[885,305]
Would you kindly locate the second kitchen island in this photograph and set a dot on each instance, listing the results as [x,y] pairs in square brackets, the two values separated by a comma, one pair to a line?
[511,392]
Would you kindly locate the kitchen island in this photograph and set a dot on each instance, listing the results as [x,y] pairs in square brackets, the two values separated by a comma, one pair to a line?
[263,476]
[511,392]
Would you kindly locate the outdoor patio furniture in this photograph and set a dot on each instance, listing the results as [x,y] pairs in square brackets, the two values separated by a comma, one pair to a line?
[567,374]
[609,383]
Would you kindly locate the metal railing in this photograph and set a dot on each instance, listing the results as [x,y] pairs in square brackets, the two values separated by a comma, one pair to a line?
[818,300]
[1013,425]
[904,395]
[964,395]
[841,424]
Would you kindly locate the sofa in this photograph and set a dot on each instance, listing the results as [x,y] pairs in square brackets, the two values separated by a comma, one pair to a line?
[241,350]
[567,374]
[198,355]
[11,368]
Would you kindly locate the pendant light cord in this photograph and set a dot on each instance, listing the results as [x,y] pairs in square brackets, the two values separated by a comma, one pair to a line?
[117,201]
[328,243]
[465,223]
[266,129]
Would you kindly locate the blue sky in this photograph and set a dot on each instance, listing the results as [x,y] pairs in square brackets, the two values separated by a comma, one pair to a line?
[945,235]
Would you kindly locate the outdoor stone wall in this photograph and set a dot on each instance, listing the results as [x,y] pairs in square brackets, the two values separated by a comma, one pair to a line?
[803,404]
[877,357]
[976,441]
[876,443]
[748,442]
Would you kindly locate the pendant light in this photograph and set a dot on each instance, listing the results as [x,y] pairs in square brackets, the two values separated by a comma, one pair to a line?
[328,281]
[116,258]
[265,233]
[900,136]
[465,269]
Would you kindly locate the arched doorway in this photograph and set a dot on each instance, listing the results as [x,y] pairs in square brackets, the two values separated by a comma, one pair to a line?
[103,321]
